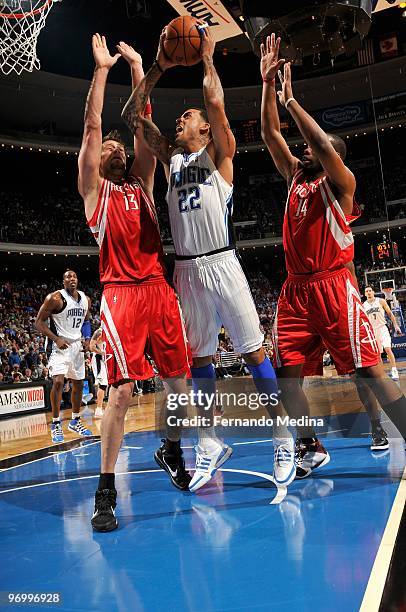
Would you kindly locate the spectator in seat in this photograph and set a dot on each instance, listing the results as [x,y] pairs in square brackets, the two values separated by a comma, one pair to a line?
[14,358]
[27,375]
[31,358]
[16,377]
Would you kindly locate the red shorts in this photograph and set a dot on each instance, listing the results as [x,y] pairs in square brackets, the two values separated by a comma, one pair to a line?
[324,309]
[140,319]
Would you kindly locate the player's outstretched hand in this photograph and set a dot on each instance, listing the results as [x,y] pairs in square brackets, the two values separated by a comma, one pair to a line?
[163,60]
[208,43]
[101,54]
[61,344]
[129,53]
[270,64]
[286,81]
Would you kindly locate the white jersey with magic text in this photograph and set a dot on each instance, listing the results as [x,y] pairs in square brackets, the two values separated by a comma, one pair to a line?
[375,313]
[68,323]
[200,204]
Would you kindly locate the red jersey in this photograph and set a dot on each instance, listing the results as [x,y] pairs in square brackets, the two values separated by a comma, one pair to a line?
[125,226]
[316,232]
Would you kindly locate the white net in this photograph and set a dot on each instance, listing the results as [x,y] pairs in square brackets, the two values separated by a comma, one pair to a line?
[20,23]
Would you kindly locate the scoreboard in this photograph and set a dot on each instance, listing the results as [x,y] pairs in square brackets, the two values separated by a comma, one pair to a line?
[385,251]
[247,132]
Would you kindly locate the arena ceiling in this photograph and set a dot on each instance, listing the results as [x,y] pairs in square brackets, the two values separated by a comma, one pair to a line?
[64,44]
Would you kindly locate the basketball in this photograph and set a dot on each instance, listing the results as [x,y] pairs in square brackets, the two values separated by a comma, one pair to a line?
[183,41]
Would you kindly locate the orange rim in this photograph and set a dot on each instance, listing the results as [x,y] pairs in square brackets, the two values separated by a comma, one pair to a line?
[28,14]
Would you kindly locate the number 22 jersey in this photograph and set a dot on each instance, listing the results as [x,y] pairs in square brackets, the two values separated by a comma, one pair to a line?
[200,204]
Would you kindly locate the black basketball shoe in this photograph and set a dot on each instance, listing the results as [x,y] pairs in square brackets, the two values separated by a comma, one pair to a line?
[309,455]
[379,439]
[104,518]
[174,465]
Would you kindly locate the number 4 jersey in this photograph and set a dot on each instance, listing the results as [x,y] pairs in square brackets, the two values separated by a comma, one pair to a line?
[316,233]
[200,204]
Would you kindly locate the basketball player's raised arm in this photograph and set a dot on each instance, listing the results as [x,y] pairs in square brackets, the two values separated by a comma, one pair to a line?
[334,166]
[144,163]
[90,151]
[52,304]
[284,161]
[133,111]
[390,314]
[223,138]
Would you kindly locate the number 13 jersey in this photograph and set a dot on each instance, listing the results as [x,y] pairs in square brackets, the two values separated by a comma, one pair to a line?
[125,226]
[200,204]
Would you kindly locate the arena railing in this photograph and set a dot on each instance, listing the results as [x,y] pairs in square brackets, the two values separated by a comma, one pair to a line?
[88,251]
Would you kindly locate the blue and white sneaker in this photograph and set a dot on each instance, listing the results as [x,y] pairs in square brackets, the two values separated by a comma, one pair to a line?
[207,463]
[56,433]
[76,426]
[284,468]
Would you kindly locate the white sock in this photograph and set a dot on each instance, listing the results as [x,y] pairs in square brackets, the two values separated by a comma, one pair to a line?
[207,438]
[75,415]
[56,419]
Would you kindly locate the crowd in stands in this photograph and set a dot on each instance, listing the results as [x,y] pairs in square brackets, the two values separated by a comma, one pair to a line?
[23,350]
[43,219]
[23,355]
[55,215]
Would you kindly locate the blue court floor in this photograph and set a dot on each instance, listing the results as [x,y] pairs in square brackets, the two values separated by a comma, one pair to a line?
[230,547]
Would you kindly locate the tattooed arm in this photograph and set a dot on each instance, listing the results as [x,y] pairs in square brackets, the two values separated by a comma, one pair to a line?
[132,113]
[144,163]
[223,143]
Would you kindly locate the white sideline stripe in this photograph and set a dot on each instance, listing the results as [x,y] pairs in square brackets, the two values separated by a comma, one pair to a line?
[251,442]
[376,583]
[51,454]
[280,495]
[51,482]
[134,447]
[332,431]
[281,491]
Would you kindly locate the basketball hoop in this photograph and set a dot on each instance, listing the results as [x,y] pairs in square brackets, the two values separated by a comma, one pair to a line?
[20,24]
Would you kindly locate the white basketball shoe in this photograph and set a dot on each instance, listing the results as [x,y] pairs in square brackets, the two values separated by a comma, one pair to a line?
[284,468]
[208,460]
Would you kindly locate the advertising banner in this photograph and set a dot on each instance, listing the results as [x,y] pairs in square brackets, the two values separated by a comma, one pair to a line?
[21,398]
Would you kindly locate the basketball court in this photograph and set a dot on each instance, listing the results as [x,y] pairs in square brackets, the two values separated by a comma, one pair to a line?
[239,543]
[332,541]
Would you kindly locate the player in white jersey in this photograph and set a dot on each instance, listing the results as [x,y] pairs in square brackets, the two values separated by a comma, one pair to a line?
[208,276]
[64,318]
[99,370]
[376,308]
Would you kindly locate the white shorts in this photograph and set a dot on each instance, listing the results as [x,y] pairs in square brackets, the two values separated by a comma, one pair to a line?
[213,291]
[99,371]
[70,362]
[383,337]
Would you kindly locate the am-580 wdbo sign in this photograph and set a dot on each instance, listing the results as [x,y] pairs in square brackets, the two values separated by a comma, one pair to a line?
[17,399]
